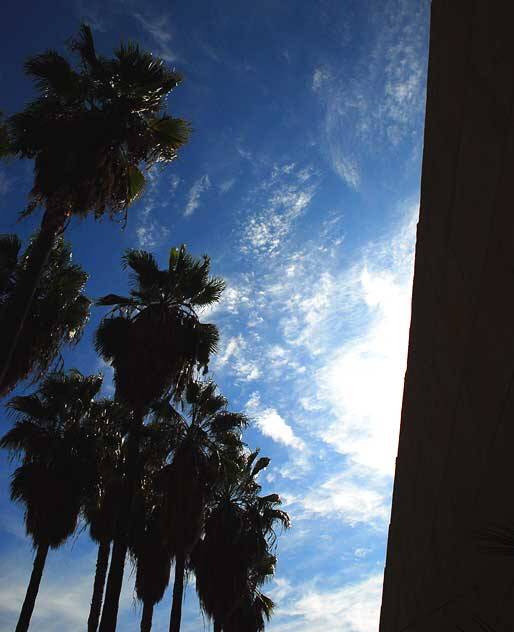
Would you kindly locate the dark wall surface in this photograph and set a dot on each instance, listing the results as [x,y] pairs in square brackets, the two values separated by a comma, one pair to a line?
[455,465]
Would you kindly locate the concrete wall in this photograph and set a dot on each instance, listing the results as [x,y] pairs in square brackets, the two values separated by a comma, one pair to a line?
[455,465]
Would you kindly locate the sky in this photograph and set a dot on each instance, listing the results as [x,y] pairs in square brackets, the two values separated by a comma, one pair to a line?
[301,182]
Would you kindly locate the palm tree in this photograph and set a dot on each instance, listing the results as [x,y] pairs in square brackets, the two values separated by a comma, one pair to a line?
[155,342]
[235,555]
[90,131]
[58,314]
[107,425]
[151,555]
[55,474]
[207,445]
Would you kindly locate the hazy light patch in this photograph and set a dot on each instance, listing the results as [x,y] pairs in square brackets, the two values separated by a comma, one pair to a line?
[227,185]
[5,183]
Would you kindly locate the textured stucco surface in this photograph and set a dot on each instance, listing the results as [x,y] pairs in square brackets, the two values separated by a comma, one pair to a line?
[455,465]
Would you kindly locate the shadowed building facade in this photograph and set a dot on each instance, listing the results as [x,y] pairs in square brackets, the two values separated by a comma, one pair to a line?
[455,466]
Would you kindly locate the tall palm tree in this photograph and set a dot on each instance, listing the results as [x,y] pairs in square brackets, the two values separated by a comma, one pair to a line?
[55,474]
[107,425]
[58,313]
[90,131]
[147,543]
[155,341]
[235,555]
[207,445]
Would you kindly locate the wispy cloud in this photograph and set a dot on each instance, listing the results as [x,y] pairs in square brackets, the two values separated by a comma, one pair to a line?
[284,198]
[376,101]
[159,29]
[150,232]
[227,185]
[195,193]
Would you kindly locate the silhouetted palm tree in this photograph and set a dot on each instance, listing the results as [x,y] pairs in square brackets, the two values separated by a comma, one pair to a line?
[55,474]
[107,425]
[152,558]
[155,342]
[90,132]
[235,555]
[207,444]
[58,313]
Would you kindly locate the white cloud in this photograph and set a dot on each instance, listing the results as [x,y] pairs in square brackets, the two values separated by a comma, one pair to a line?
[352,607]
[271,424]
[362,383]
[199,187]
[354,502]
[151,233]
[287,195]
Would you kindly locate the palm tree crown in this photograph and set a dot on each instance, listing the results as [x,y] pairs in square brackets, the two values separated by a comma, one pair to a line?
[57,316]
[235,555]
[91,128]
[156,340]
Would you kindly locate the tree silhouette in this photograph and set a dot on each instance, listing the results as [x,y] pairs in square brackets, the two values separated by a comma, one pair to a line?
[235,556]
[55,475]
[58,313]
[155,341]
[89,131]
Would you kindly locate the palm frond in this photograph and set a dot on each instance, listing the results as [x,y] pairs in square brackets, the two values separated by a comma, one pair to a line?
[53,74]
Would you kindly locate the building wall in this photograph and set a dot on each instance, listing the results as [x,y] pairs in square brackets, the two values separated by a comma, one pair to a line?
[455,465]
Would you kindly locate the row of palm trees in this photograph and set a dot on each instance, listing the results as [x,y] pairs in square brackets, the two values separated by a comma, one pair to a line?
[160,473]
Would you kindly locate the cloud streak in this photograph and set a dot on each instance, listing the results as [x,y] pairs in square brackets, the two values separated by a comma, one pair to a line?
[202,185]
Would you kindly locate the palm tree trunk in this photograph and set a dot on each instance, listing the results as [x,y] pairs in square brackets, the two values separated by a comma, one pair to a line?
[120,546]
[102,561]
[52,225]
[146,619]
[33,588]
[178,592]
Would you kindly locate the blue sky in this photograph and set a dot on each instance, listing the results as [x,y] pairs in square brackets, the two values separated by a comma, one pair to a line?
[301,181]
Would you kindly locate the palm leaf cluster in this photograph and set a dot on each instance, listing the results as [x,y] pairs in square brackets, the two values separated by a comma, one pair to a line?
[58,314]
[91,127]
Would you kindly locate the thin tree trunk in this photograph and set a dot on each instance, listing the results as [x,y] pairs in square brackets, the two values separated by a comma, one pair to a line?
[178,592]
[120,545]
[217,626]
[51,226]
[146,618]
[102,562]
[33,587]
